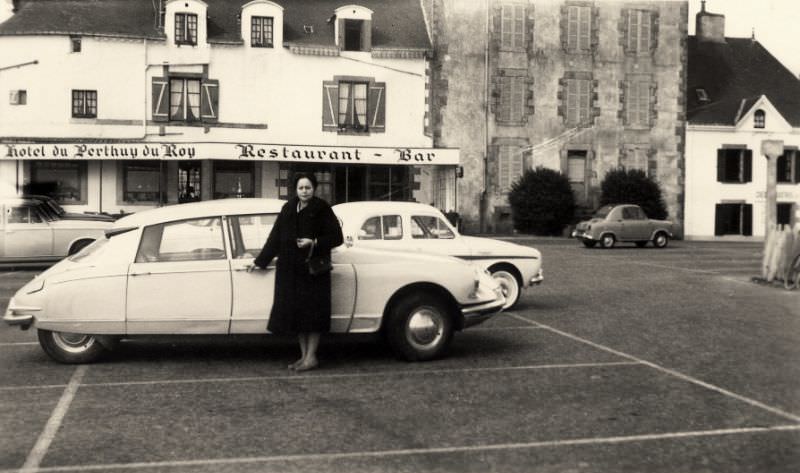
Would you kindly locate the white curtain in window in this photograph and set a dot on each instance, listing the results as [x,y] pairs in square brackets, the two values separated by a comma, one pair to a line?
[344,101]
[176,99]
[360,101]
[193,93]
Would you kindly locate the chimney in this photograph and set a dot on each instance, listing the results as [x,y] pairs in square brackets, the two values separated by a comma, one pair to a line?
[709,26]
[6,9]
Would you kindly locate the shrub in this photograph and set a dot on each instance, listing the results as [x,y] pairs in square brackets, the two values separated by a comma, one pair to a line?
[633,187]
[541,202]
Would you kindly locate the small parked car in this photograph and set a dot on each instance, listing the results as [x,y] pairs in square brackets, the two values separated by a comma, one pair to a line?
[182,269]
[33,231]
[623,223]
[418,228]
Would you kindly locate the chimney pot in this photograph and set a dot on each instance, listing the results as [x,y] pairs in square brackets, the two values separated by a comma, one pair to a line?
[709,26]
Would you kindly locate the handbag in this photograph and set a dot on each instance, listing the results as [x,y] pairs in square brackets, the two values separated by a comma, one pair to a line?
[319,264]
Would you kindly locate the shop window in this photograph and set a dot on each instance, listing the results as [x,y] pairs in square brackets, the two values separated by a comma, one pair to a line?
[388,183]
[64,181]
[578,28]
[759,119]
[84,104]
[186,29]
[354,106]
[233,179]
[734,165]
[512,27]
[189,182]
[788,167]
[261,31]
[733,219]
[141,182]
[185,99]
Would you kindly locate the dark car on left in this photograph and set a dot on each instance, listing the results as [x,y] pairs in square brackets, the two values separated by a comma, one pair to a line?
[35,229]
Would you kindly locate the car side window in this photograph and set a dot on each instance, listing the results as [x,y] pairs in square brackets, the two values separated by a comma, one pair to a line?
[249,233]
[640,214]
[428,226]
[371,229]
[392,227]
[187,240]
[628,213]
[19,215]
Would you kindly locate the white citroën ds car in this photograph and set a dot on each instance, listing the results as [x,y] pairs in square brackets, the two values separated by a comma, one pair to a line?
[181,269]
[420,228]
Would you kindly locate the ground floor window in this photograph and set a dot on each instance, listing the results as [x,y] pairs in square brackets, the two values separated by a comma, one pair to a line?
[351,183]
[189,189]
[576,173]
[784,213]
[234,179]
[733,219]
[142,182]
[64,181]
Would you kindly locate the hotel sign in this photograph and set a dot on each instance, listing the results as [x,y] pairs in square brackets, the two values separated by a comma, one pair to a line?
[231,151]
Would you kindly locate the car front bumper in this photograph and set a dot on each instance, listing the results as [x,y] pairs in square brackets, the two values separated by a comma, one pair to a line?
[479,313]
[537,279]
[582,234]
[18,316]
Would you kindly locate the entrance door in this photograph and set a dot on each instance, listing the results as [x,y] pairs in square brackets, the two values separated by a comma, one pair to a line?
[576,172]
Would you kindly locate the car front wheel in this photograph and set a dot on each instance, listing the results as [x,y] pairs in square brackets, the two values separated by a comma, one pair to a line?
[607,241]
[660,240]
[509,285]
[419,327]
[70,348]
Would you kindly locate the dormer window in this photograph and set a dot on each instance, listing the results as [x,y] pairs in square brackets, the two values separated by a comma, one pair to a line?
[261,28]
[354,28]
[186,28]
[702,96]
[759,119]
[75,44]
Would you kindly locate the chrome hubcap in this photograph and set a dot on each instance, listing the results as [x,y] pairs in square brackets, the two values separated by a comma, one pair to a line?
[73,342]
[509,286]
[660,240]
[425,327]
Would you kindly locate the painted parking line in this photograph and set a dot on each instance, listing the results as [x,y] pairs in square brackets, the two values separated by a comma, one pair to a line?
[39,450]
[289,377]
[419,451]
[17,344]
[677,374]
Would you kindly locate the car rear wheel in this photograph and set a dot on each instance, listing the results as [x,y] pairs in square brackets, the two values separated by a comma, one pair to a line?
[660,240]
[641,244]
[70,348]
[419,328]
[608,241]
[510,286]
[589,243]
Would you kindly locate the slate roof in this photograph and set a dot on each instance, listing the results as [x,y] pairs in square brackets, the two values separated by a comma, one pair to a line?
[396,24]
[738,70]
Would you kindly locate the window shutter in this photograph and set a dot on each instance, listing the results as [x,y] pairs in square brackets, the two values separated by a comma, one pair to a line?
[506,27]
[644,103]
[519,28]
[747,219]
[366,35]
[209,101]
[572,28]
[747,174]
[518,100]
[330,105]
[644,36]
[720,165]
[160,99]
[497,26]
[585,102]
[340,36]
[573,114]
[653,30]
[376,107]
[796,167]
[585,28]
[719,220]
[633,29]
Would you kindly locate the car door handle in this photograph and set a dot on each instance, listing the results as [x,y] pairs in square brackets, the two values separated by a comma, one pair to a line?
[148,273]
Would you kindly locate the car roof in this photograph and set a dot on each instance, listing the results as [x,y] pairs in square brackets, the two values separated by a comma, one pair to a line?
[208,208]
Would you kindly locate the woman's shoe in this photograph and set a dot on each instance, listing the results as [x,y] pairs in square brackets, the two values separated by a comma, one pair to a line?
[307,366]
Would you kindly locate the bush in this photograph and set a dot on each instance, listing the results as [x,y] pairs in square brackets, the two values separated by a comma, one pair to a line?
[633,187]
[541,202]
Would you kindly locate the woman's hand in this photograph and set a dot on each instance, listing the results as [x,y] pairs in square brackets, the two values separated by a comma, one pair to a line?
[304,242]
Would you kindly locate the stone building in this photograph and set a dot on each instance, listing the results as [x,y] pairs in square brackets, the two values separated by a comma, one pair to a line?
[577,86]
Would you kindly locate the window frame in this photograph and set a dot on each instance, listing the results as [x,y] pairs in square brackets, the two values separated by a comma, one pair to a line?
[158,229]
[759,119]
[638,103]
[80,167]
[351,107]
[743,162]
[637,41]
[512,27]
[579,29]
[510,158]
[349,35]
[185,32]
[511,101]
[84,103]
[261,41]
[583,108]
[427,234]
[185,79]
[144,165]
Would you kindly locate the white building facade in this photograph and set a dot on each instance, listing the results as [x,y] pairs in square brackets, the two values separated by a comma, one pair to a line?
[189,100]
[739,96]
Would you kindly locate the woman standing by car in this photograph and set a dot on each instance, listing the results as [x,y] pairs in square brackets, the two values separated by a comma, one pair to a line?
[305,226]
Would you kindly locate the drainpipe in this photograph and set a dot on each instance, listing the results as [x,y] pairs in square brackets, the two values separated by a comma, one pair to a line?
[484,202]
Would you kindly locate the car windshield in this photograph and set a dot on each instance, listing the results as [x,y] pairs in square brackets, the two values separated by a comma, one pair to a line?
[59,210]
[48,211]
[602,212]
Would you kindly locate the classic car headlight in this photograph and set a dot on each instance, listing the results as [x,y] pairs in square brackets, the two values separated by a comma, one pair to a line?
[34,286]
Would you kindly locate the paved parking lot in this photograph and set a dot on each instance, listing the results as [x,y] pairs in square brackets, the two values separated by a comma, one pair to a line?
[623,360]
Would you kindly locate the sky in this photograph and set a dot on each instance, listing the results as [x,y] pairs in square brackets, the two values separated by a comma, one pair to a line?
[775,23]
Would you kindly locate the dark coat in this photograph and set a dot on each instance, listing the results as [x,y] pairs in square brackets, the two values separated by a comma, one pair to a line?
[302,302]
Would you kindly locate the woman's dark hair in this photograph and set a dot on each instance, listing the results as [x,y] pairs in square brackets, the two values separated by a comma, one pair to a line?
[305,175]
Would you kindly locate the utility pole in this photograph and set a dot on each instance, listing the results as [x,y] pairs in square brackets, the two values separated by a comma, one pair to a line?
[772,150]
